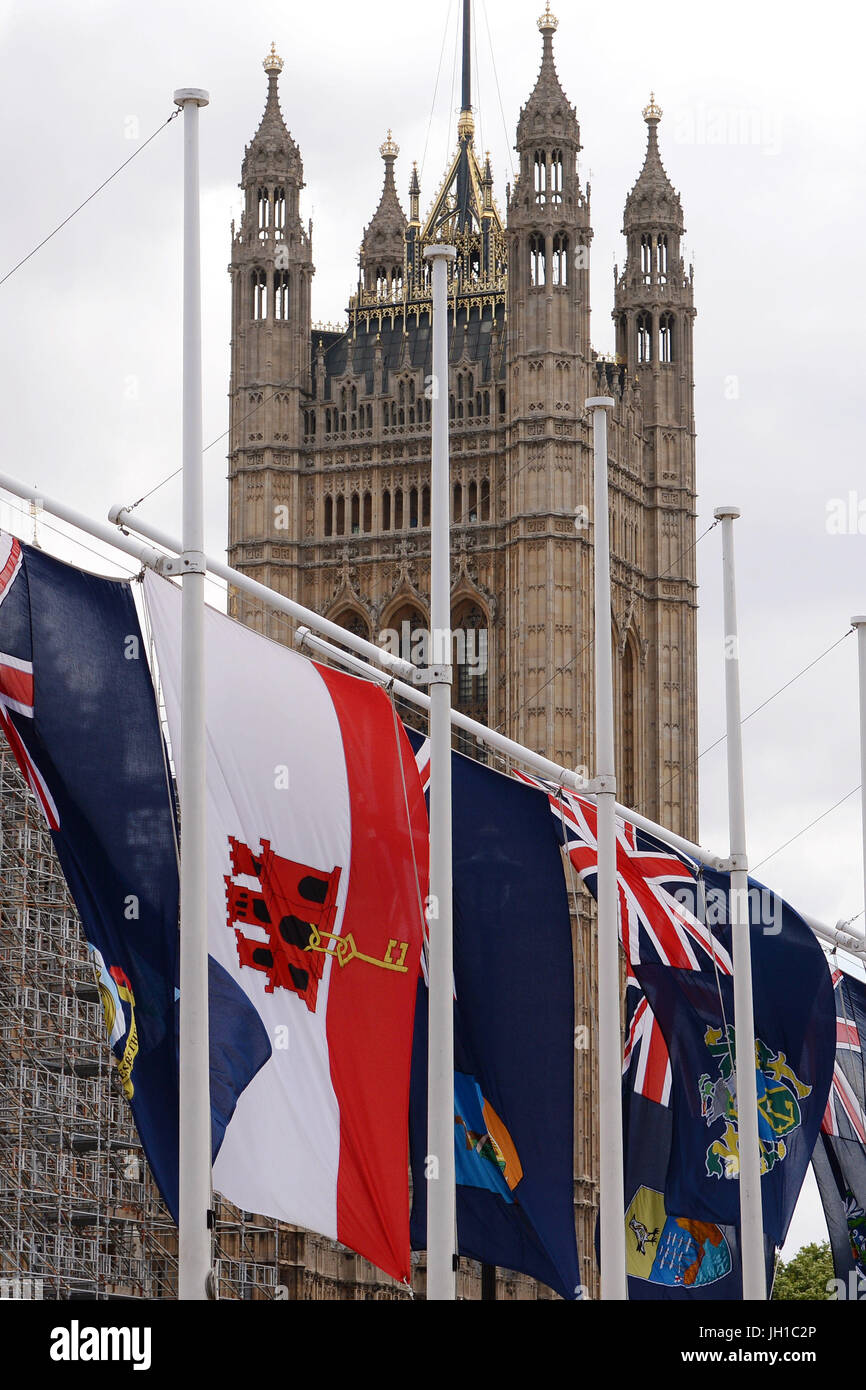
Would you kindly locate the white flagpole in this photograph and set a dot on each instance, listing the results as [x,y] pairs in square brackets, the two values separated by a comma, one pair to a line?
[860,624]
[194,1247]
[611,1206]
[751,1210]
[441,1189]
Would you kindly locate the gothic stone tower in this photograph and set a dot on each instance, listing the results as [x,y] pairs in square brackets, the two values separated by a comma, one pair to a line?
[330,460]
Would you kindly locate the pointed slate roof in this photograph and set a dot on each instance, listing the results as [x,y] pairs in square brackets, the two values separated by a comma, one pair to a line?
[272,152]
[385,236]
[548,110]
[653,199]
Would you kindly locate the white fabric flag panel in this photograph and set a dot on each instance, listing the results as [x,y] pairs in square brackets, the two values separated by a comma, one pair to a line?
[317,877]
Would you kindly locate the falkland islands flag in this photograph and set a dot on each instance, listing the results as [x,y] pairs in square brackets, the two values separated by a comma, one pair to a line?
[317,878]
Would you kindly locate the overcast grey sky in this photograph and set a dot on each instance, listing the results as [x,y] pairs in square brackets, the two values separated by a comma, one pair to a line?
[762,135]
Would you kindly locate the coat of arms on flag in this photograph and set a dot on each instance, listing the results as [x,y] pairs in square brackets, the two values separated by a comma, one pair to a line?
[780,1093]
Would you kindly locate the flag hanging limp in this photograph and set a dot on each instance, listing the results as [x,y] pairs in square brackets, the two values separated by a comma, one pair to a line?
[674,920]
[317,883]
[514,1036]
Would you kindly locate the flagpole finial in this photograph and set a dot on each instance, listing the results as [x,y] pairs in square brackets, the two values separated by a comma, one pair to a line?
[273,62]
[548,23]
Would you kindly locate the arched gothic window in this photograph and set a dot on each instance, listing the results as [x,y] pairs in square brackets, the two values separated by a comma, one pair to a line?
[264,213]
[556,168]
[560,260]
[259,292]
[644,338]
[537,261]
[666,338]
[279,212]
[540,176]
[281,295]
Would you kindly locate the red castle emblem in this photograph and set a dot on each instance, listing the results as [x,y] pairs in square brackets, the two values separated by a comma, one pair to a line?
[296,907]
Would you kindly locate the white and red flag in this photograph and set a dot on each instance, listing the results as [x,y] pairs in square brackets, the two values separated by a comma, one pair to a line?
[317,879]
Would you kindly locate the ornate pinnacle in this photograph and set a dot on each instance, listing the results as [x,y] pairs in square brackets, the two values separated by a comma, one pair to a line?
[390,149]
[548,22]
[653,112]
[273,62]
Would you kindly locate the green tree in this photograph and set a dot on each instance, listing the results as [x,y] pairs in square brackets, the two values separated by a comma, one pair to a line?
[807,1275]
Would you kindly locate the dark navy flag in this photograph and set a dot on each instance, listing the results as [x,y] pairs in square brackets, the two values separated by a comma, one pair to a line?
[514,1035]
[794,1043]
[77,707]
[670,1258]
[839,1160]
[673,920]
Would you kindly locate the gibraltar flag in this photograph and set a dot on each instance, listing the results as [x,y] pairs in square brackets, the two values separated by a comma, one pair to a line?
[317,878]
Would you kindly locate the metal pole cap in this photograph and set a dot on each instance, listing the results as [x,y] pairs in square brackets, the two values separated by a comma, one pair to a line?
[721,513]
[195,94]
[440,249]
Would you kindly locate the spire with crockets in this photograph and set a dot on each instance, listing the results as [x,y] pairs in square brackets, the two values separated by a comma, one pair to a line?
[464,214]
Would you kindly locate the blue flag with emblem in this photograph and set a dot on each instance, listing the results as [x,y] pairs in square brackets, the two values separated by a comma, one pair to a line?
[514,1034]
[673,921]
[794,1047]
[677,1259]
[77,708]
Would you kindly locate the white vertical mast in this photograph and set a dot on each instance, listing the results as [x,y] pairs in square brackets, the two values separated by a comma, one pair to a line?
[194,1250]
[441,1190]
[612,1213]
[751,1208]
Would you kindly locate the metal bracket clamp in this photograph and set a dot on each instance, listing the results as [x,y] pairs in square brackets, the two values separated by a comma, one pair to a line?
[735,863]
[435,675]
[601,784]
[191,562]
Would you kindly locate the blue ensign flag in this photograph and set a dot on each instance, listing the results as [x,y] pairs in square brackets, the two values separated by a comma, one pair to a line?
[674,928]
[78,710]
[514,1034]
[678,1259]
[794,1048]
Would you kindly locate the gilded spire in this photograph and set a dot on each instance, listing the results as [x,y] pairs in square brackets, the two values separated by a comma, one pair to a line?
[384,237]
[548,100]
[654,197]
[272,151]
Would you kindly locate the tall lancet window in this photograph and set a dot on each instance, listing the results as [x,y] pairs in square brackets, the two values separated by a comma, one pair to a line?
[259,293]
[662,257]
[556,170]
[537,261]
[646,258]
[560,260]
[279,212]
[281,295]
[628,759]
[644,338]
[264,213]
[540,176]
[666,338]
